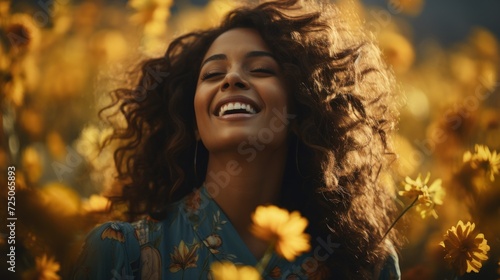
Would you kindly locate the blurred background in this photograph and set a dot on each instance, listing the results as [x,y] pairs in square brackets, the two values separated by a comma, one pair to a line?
[59,59]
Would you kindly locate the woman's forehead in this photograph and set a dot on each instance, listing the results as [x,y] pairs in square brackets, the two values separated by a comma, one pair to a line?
[238,39]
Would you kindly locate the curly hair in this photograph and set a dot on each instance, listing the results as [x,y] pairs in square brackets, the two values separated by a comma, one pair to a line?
[344,101]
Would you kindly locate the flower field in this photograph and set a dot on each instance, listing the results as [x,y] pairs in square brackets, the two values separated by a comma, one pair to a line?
[60,59]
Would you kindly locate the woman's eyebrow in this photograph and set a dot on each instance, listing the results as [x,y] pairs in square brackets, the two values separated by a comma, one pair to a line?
[248,55]
[258,54]
[214,57]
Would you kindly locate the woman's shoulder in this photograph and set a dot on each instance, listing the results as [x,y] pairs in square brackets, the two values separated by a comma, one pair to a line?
[111,249]
[111,233]
[114,230]
[130,234]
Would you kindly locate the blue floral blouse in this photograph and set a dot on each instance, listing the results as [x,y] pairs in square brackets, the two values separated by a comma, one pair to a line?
[194,235]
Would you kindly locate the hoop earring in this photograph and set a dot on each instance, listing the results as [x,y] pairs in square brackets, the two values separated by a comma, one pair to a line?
[297,166]
[195,161]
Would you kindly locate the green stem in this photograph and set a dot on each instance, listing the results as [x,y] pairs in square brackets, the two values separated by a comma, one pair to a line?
[262,264]
[399,217]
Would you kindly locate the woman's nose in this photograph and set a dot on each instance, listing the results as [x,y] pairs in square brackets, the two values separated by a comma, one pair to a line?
[234,80]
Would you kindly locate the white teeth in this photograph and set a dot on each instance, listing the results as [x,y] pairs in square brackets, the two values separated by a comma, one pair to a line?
[236,106]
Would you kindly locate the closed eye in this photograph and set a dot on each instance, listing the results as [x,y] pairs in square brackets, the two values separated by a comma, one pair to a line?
[263,70]
[210,75]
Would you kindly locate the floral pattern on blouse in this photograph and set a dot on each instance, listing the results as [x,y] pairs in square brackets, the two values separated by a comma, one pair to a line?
[195,234]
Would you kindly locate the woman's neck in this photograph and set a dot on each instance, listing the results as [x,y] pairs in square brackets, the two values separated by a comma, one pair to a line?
[239,185]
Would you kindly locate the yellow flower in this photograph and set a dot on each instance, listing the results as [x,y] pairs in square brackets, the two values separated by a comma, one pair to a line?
[465,250]
[4,8]
[56,146]
[91,140]
[32,162]
[32,121]
[22,32]
[428,196]
[485,159]
[109,45]
[47,268]
[283,229]
[484,42]
[96,203]
[150,10]
[60,199]
[229,271]
[397,50]
[183,257]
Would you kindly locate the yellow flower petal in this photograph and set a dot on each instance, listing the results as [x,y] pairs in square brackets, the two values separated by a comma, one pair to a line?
[465,250]
[483,159]
[229,271]
[284,229]
[46,269]
[427,196]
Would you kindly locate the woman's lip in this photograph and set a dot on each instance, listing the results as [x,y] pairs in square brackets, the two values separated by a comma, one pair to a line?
[236,117]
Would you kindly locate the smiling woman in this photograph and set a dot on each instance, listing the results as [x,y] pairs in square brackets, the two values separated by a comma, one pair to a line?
[240,86]
[281,104]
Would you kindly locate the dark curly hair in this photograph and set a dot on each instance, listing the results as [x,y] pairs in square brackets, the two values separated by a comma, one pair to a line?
[344,102]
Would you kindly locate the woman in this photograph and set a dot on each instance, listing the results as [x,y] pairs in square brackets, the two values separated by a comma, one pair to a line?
[281,104]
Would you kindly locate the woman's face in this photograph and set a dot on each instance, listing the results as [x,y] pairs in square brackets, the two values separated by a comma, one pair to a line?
[241,98]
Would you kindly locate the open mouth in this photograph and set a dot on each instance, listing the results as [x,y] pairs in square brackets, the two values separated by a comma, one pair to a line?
[236,106]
